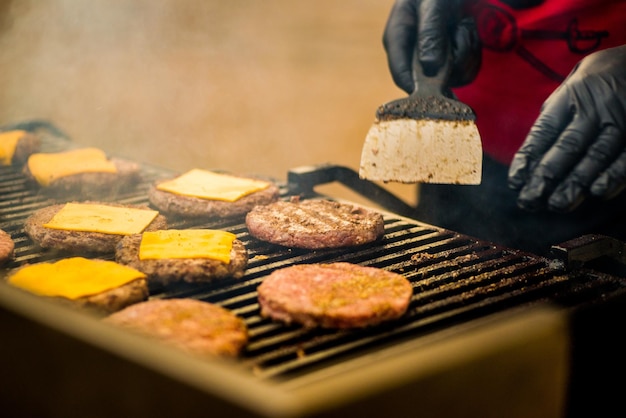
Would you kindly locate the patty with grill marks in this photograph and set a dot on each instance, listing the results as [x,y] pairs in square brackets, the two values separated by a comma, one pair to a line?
[315,224]
[334,295]
[194,326]
[7,246]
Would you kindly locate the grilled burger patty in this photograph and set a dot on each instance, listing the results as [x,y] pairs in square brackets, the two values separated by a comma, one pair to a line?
[104,302]
[28,144]
[7,246]
[195,207]
[314,224]
[112,300]
[77,241]
[92,185]
[194,326]
[336,295]
[189,270]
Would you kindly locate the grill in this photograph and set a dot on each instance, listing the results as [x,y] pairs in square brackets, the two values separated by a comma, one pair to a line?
[464,289]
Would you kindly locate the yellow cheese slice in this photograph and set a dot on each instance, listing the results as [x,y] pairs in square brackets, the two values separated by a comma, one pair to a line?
[92,217]
[73,278]
[8,143]
[47,167]
[212,186]
[187,243]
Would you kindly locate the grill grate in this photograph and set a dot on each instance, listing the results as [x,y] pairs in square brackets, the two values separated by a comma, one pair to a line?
[455,279]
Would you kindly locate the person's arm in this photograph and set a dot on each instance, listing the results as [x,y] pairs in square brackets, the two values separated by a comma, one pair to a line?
[577,146]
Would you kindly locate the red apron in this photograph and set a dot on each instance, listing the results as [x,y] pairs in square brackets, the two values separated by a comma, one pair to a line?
[526,55]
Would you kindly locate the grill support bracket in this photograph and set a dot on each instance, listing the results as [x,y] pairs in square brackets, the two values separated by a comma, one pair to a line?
[303,180]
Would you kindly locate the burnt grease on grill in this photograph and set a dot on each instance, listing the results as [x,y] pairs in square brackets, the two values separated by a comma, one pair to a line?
[432,107]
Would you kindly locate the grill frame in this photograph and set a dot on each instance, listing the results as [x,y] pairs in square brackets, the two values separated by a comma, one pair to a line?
[294,384]
[100,362]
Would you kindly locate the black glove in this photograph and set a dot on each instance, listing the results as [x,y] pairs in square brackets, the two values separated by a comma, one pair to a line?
[522,4]
[577,146]
[434,25]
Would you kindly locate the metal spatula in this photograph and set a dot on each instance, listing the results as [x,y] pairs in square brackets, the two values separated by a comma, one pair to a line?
[427,137]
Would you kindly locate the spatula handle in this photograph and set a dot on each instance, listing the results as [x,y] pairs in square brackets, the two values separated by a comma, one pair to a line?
[431,99]
[428,86]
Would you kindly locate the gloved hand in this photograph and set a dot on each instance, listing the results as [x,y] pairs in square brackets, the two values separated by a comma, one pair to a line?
[433,25]
[577,146]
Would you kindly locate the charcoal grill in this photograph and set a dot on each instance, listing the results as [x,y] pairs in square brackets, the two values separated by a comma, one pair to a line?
[490,331]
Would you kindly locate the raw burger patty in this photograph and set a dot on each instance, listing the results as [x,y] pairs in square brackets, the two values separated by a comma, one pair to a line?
[194,207]
[197,327]
[77,241]
[335,295]
[315,224]
[190,270]
[7,246]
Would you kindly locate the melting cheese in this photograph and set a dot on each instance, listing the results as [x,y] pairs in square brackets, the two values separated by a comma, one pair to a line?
[212,186]
[8,144]
[73,278]
[189,243]
[47,167]
[90,217]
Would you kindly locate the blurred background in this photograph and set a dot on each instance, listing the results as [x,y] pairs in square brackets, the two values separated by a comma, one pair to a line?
[245,86]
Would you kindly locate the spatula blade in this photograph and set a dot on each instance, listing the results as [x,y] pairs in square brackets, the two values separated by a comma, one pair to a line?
[422,151]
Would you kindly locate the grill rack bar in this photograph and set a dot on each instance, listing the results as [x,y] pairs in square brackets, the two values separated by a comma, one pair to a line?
[461,279]
[456,279]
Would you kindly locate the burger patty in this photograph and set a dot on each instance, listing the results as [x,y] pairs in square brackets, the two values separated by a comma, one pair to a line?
[174,270]
[314,224]
[197,327]
[111,300]
[28,144]
[78,241]
[104,302]
[7,246]
[195,207]
[84,186]
[336,295]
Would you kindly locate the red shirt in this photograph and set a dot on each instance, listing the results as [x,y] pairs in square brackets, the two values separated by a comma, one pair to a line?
[526,55]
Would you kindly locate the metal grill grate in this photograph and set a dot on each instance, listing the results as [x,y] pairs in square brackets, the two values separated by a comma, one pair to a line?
[455,279]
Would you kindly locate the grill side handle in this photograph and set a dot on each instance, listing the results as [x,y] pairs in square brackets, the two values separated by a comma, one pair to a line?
[303,180]
[578,251]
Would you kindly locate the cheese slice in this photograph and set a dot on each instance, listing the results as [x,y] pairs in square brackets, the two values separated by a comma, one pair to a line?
[8,144]
[92,217]
[212,186]
[73,278]
[47,167]
[187,243]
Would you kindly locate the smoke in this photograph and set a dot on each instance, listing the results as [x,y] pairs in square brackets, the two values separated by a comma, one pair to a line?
[241,85]
[117,75]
